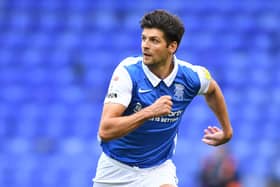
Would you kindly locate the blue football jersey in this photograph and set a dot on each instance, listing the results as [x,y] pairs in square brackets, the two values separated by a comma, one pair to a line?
[135,86]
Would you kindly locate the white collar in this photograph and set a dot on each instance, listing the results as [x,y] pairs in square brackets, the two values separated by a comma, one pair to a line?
[155,80]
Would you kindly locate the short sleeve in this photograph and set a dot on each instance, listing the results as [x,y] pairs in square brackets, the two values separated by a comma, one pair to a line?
[205,79]
[120,88]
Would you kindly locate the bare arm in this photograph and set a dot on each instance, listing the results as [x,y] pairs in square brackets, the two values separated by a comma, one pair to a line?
[215,100]
[113,125]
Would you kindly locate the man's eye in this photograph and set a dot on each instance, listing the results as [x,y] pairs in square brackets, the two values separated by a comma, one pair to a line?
[155,41]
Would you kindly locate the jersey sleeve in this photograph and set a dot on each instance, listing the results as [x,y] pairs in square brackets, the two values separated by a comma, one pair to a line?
[120,88]
[205,79]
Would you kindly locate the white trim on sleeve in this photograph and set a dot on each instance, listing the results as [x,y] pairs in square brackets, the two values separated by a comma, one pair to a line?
[204,77]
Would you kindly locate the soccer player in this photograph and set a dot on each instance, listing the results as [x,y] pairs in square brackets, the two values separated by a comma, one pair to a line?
[142,111]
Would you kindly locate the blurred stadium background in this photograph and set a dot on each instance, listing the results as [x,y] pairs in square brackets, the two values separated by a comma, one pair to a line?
[56,60]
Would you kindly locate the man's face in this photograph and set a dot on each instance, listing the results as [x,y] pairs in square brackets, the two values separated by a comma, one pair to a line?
[154,47]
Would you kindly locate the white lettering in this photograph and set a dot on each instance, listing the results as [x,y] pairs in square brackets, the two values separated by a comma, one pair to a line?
[170,118]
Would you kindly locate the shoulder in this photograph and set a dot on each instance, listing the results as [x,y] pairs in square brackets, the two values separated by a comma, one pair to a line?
[132,65]
[197,69]
[122,71]
[130,61]
[187,69]
[127,63]
[197,75]
[191,67]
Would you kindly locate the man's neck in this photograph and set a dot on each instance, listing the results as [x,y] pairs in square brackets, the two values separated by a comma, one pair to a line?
[162,70]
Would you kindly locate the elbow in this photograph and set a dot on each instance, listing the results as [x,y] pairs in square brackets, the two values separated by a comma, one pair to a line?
[229,135]
[104,131]
[107,133]
[104,135]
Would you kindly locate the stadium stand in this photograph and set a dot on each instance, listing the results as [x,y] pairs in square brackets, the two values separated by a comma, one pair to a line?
[56,59]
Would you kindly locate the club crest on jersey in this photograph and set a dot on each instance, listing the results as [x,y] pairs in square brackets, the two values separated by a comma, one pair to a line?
[137,107]
[179,92]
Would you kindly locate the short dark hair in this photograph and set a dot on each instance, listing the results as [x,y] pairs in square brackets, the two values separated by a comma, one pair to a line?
[171,25]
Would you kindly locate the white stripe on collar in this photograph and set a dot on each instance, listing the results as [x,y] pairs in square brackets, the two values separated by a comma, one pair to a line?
[155,80]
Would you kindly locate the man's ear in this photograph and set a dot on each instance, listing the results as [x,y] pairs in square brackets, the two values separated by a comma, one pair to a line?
[173,47]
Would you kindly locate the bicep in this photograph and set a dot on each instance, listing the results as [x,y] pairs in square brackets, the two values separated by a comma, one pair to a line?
[214,94]
[109,127]
[111,110]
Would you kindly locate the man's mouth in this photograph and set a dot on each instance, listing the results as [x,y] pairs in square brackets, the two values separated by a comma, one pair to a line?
[147,54]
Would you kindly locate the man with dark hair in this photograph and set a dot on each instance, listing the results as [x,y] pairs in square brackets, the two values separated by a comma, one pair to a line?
[146,99]
[170,25]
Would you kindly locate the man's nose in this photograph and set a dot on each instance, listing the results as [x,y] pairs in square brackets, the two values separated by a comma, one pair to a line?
[145,44]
